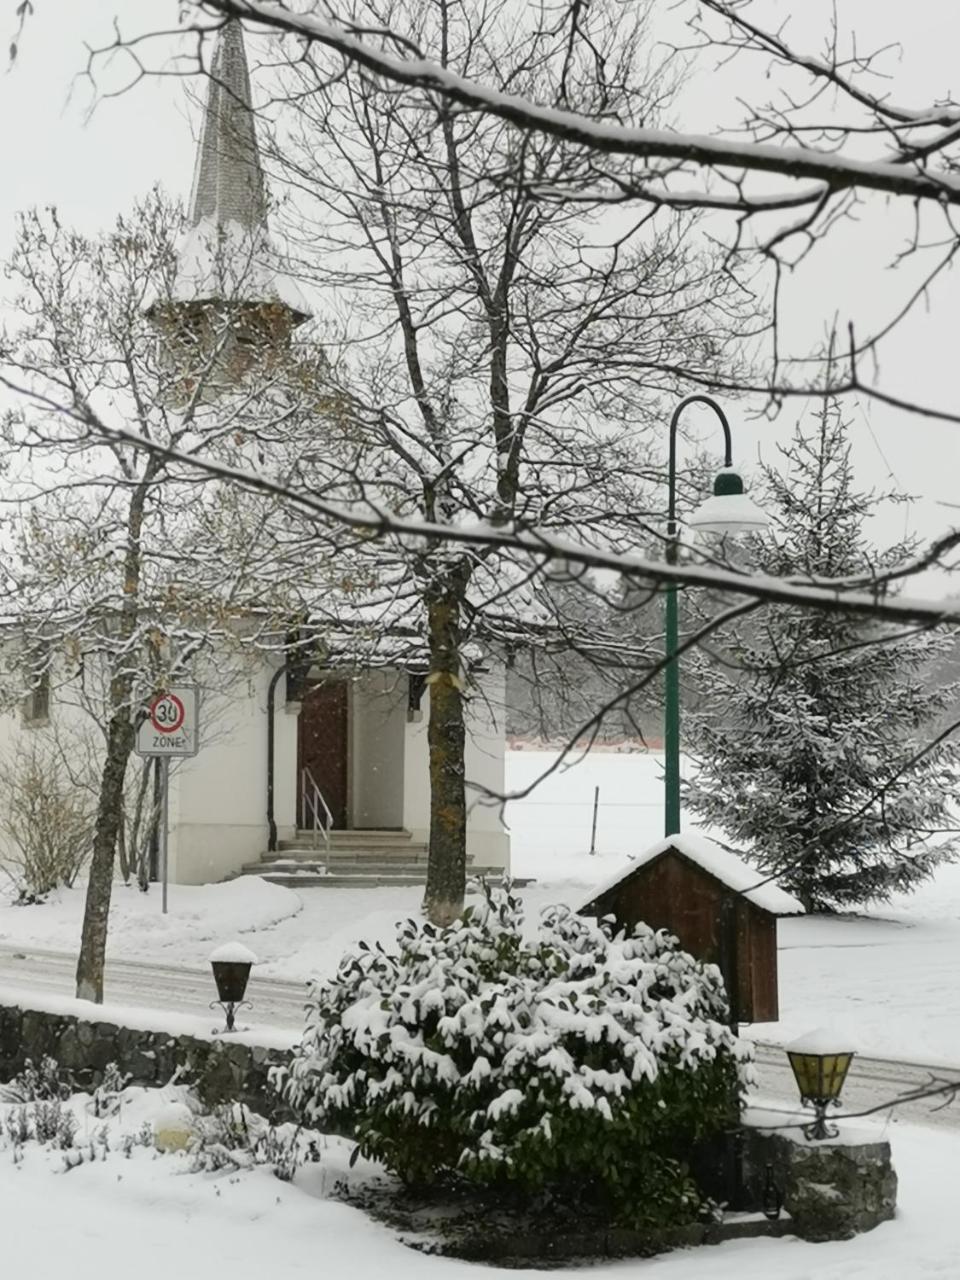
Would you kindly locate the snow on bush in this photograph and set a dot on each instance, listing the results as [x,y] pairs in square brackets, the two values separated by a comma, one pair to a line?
[575,1063]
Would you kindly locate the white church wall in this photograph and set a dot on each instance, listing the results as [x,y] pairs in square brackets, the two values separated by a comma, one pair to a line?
[377,729]
[487,839]
[285,782]
[218,798]
[488,843]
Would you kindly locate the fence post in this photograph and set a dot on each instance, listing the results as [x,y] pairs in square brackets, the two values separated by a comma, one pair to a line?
[593,833]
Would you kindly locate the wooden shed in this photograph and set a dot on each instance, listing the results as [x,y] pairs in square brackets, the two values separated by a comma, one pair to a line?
[707,897]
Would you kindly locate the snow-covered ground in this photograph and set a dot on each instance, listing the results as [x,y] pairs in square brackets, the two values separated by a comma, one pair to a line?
[150,1216]
[889,979]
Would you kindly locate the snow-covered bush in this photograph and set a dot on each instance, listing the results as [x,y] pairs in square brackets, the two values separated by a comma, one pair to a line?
[574,1064]
[233,1137]
[39,1083]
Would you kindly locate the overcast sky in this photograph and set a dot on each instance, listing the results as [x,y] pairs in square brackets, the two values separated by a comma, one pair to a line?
[93,166]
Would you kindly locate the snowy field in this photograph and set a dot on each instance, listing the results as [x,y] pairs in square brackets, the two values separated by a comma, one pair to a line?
[151,1216]
[890,978]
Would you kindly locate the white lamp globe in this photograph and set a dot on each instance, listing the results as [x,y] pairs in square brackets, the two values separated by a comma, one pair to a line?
[729,511]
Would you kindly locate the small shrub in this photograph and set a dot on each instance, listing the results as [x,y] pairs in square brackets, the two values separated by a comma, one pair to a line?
[576,1065]
[19,1129]
[142,1138]
[46,820]
[52,1124]
[108,1093]
[234,1138]
[39,1083]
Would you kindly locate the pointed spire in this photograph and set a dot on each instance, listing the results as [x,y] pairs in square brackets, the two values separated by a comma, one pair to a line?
[227,256]
[228,185]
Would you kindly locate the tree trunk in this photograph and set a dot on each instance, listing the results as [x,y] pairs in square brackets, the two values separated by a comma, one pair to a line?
[122,846]
[120,739]
[93,942]
[446,736]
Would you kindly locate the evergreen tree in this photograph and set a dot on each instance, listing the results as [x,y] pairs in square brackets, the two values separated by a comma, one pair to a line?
[810,746]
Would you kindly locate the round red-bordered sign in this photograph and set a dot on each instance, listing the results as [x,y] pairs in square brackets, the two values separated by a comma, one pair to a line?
[167,713]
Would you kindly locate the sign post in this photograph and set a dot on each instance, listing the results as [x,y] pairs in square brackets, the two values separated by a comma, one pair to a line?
[170,730]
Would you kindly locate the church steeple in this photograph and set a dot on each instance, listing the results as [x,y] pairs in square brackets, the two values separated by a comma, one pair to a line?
[228,185]
[228,293]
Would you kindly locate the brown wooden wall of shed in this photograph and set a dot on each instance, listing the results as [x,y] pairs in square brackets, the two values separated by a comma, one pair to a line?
[675,894]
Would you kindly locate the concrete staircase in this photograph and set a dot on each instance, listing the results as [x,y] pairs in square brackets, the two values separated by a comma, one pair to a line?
[355,859]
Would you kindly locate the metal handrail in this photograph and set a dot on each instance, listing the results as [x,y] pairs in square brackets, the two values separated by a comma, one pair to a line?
[308,799]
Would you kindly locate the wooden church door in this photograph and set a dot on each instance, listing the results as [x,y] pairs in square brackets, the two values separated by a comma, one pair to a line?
[322,748]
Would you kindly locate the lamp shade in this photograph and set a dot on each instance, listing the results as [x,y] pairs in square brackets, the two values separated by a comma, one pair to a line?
[729,510]
[819,1066]
[231,966]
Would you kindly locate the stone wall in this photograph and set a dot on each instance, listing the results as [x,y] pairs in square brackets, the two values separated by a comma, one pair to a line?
[219,1069]
[831,1190]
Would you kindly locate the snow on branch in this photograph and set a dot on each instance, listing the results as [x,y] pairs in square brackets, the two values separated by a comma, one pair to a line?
[901,171]
[853,596]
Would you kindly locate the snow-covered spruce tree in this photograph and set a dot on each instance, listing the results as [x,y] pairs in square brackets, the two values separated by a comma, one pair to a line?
[573,1064]
[810,740]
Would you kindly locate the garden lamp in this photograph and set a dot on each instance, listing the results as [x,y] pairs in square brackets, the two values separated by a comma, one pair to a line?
[820,1068]
[231,966]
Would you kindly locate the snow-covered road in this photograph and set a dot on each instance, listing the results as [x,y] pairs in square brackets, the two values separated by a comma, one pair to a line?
[279,1004]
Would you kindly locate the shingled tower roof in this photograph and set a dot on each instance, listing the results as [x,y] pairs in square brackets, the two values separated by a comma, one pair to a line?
[228,181]
[227,255]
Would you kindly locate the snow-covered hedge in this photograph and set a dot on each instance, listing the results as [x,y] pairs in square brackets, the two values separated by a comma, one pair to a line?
[572,1063]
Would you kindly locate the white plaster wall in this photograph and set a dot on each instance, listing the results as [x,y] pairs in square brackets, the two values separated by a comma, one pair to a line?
[416,775]
[378,715]
[285,782]
[488,842]
[70,731]
[487,839]
[218,798]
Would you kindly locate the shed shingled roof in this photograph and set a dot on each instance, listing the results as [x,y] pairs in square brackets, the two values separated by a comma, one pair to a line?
[720,863]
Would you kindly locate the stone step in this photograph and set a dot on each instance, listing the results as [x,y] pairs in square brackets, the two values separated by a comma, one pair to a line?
[404,853]
[309,880]
[414,857]
[358,835]
[350,866]
[293,866]
[315,873]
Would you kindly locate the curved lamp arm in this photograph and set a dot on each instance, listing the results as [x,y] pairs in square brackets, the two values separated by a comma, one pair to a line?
[672,470]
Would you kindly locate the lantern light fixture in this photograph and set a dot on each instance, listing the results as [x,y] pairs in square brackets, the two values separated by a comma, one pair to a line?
[231,964]
[820,1065]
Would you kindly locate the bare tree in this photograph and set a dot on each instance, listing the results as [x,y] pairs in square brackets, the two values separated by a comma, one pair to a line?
[118,556]
[506,354]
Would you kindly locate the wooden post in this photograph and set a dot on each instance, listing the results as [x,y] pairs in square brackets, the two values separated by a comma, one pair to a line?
[593,833]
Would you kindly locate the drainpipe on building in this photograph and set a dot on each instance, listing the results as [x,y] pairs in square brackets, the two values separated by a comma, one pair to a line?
[271,708]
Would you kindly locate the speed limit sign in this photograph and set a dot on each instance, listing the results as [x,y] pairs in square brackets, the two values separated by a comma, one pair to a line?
[170,727]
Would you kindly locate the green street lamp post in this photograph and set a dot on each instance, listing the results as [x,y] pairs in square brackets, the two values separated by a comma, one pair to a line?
[728,511]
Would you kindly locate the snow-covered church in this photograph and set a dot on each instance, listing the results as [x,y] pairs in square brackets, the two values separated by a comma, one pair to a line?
[306,773]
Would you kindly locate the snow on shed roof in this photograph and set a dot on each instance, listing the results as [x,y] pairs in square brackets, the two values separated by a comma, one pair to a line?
[724,866]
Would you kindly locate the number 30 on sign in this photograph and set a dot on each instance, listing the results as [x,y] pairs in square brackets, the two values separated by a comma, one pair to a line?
[170,727]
